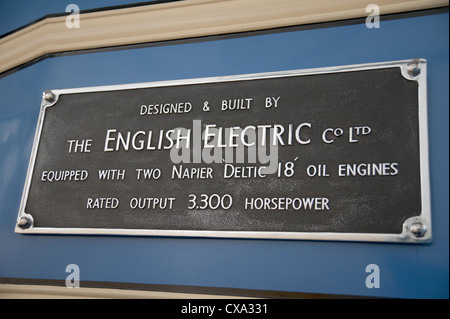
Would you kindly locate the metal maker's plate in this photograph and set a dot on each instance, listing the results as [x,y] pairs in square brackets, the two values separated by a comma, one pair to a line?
[347,148]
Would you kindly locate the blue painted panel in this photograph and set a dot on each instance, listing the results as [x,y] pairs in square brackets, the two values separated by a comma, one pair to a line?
[407,271]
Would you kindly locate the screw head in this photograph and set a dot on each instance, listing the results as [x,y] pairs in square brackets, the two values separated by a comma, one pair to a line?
[49,96]
[25,222]
[413,69]
[418,229]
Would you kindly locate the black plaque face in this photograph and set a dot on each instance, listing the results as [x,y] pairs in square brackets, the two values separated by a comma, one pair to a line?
[336,153]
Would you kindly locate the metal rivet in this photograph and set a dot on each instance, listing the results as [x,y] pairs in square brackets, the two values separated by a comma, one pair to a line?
[49,96]
[25,222]
[413,69]
[418,229]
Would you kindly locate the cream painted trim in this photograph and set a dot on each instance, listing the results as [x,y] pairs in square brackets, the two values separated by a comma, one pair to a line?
[12,291]
[181,20]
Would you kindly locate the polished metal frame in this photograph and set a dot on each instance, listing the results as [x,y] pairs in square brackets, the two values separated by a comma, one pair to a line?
[415,229]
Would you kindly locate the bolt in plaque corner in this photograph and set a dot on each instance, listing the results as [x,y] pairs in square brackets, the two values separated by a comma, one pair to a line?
[413,69]
[417,229]
[25,221]
[49,98]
